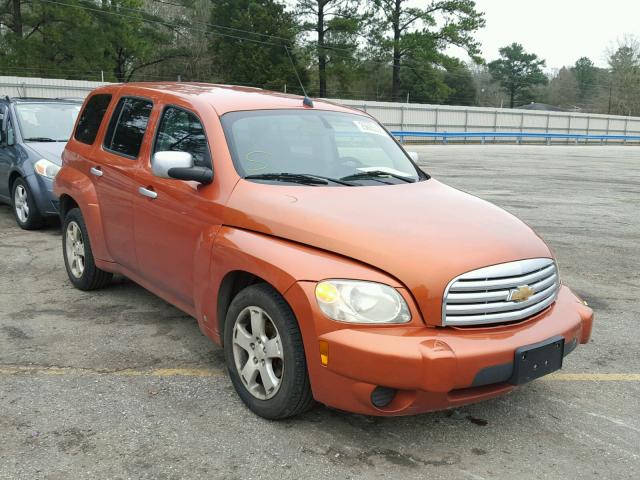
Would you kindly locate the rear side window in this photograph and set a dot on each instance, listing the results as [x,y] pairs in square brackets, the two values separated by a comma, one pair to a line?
[181,131]
[128,125]
[91,118]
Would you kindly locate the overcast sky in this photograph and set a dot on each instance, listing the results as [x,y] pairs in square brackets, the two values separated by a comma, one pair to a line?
[560,31]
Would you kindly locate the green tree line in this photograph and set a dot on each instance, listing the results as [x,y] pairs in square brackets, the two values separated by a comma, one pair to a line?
[389,50]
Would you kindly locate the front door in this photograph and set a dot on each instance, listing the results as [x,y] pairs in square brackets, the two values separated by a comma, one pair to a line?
[114,176]
[174,223]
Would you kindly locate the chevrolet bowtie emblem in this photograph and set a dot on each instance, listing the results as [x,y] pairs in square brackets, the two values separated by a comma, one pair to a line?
[521,294]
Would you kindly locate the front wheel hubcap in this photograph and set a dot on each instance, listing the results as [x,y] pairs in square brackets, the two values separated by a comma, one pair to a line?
[20,203]
[74,245]
[257,352]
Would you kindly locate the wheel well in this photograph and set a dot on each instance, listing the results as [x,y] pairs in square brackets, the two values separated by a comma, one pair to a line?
[231,285]
[66,204]
[12,178]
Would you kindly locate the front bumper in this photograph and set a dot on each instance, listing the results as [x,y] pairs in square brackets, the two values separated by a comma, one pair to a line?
[431,368]
[42,189]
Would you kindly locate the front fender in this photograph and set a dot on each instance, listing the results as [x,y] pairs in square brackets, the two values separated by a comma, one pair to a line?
[42,194]
[277,261]
[74,184]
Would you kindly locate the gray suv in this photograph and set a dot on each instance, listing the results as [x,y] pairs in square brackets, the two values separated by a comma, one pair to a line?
[32,138]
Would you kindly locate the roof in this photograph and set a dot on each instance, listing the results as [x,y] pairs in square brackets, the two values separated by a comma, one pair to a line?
[228,98]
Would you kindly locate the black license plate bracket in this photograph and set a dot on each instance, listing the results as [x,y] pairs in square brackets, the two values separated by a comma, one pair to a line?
[536,360]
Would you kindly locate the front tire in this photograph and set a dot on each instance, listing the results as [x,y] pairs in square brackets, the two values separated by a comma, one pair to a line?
[24,206]
[265,355]
[78,257]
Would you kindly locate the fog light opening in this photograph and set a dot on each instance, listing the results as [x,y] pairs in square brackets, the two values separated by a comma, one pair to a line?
[382,396]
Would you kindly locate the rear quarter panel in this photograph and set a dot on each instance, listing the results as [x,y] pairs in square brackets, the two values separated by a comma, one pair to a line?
[74,182]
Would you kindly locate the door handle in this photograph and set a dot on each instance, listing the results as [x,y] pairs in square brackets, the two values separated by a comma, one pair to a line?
[96,171]
[147,193]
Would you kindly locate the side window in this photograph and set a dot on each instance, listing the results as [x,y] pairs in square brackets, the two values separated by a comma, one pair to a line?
[11,134]
[127,126]
[91,118]
[182,131]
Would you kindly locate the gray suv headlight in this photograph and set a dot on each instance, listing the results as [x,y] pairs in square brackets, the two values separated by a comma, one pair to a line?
[46,168]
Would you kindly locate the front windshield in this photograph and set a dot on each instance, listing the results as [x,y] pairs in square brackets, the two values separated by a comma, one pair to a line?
[325,144]
[46,122]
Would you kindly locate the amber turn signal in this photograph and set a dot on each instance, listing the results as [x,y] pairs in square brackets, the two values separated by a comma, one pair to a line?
[324,352]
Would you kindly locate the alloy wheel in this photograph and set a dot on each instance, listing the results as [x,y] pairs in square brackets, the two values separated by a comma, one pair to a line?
[21,203]
[257,352]
[74,245]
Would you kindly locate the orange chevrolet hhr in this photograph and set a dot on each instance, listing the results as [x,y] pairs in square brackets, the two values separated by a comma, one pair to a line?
[307,243]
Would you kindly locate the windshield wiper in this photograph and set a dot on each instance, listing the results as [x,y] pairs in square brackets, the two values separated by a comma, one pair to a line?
[304,178]
[376,174]
[41,139]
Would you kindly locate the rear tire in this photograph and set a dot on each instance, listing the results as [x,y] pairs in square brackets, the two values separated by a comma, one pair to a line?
[24,206]
[260,327]
[78,257]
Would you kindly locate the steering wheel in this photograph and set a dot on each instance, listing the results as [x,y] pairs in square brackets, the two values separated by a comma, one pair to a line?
[345,165]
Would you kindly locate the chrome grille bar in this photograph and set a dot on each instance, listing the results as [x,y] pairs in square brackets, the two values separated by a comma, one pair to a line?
[464,285]
[483,296]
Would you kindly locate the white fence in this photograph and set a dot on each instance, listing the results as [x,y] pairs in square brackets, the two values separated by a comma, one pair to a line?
[445,118]
[46,87]
[400,116]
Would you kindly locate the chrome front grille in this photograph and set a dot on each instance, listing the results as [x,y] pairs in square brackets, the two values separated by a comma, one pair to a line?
[507,292]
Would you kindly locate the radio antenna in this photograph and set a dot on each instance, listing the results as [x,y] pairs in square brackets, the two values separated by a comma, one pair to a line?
[306,101]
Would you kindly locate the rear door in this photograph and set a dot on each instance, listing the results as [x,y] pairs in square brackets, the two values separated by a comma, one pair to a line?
[113,174]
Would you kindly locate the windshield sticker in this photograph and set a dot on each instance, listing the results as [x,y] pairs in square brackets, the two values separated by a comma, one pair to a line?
[370,127]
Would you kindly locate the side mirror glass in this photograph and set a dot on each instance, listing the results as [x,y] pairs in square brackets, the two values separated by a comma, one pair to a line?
[414,156]
[164,161]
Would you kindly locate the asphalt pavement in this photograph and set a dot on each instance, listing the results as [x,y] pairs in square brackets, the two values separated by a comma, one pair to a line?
[117,384]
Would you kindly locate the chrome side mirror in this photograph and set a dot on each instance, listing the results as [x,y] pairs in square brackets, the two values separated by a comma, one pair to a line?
[414,156]
[162,162]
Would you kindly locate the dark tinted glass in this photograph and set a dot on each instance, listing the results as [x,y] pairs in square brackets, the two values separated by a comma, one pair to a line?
[181,131]
[127,127]
[91,118]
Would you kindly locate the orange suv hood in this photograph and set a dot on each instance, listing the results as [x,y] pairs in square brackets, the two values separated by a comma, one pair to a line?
[424,234]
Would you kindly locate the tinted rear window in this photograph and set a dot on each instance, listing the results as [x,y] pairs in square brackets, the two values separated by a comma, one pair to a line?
[91,118]
[128,126]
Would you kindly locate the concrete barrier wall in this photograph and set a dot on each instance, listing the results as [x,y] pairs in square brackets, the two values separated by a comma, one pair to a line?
[397,116]
[46,87]
[445,118]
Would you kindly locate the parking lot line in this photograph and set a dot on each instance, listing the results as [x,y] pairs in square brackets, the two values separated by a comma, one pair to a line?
[128,372]
[213,372]
[594,377]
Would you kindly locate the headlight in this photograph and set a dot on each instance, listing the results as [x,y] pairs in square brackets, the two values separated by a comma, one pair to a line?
[361,302]
[46,168]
